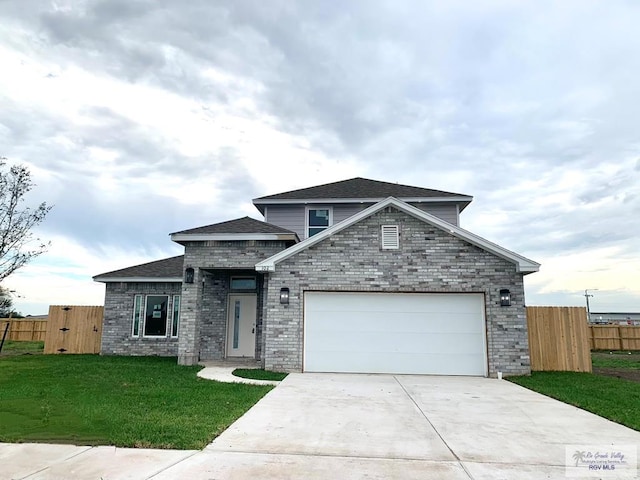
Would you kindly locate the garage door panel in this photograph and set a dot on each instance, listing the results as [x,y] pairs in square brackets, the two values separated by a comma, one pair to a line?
[379,302]
[383,322]
[399,342]
[420,364]
[395,333]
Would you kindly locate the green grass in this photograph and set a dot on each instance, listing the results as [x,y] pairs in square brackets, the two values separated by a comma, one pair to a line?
[123,401]
[12,347]
[258,374]
[609,397]
[616,360]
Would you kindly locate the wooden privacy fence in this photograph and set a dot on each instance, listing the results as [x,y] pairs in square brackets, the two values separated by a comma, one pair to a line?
[74,329]
[614,337]
[559,339]
[24,329]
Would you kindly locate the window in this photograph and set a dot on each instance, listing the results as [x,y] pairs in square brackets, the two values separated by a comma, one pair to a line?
[236,324]
[318,219]
[243,283]
[390,237]
[150,314]
[175,319]
[155,320]
[137,315]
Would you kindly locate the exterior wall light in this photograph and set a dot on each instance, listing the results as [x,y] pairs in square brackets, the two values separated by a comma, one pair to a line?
[284,296]
[505,298]
[189,275]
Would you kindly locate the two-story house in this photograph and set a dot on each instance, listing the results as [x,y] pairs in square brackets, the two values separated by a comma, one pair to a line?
[353,276]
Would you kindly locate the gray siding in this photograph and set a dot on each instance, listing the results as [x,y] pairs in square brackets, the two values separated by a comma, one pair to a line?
[444,211]
[292,217]
[118,320]
[428,260]
[346,210]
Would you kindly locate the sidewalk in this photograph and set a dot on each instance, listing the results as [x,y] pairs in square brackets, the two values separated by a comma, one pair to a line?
[39,461]
[66,462]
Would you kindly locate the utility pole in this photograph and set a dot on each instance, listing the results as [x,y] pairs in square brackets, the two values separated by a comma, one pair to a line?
[586,296]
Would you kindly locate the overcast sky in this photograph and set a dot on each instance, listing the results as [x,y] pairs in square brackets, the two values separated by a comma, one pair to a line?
[140,118]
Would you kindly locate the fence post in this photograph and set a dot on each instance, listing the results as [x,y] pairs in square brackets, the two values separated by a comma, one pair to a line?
[4,335]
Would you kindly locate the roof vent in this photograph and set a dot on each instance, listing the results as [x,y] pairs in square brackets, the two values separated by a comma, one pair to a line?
[390,237]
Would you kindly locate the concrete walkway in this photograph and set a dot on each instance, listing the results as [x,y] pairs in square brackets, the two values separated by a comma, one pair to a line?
[221,372]
[354,426]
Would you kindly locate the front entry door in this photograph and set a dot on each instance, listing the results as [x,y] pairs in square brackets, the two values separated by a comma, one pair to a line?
[241,325]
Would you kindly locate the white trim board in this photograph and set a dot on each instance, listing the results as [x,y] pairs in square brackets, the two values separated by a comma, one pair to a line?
[322,201]
[203,237]
[138,279]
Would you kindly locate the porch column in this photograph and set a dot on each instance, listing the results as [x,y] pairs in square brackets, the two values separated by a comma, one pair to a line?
[190,318]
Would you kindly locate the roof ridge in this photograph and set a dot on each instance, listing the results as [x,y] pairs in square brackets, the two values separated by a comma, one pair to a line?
[237,225]
[361,187]
[161,263]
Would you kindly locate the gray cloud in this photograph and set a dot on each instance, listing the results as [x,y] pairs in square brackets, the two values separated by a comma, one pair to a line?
[478,98]
[138,216]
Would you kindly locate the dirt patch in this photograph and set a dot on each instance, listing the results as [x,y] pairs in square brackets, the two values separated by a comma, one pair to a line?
[624,365]
[626,374]
[633,356]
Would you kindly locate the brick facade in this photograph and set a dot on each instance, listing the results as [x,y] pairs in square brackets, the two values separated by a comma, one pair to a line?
[117,338]
[203,322]
[213,327]
[428,260]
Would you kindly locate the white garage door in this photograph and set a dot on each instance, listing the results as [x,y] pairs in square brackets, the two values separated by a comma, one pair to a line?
[417,333]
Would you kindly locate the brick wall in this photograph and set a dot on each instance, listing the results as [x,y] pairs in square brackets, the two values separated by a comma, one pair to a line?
[235,255]
[204,306]
[213,328]
[118,320]
[428,260]
[214,315]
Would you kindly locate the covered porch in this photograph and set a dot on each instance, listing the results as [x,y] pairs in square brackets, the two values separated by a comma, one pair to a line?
[222,315]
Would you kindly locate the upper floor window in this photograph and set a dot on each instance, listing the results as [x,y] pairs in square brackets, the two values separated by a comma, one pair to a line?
[318,219]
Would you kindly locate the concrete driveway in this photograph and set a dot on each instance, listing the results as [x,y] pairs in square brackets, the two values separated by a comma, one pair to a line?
[376,426]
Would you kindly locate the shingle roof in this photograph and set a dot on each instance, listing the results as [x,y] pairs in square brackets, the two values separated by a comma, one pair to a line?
[165,268]
[359,188]
[239,225]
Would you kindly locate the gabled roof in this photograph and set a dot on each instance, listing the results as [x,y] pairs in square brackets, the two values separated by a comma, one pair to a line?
[165,270]
[361,190]
[245,228]
[523,264]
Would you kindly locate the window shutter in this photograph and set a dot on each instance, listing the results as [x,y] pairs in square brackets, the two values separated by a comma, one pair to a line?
[390,237]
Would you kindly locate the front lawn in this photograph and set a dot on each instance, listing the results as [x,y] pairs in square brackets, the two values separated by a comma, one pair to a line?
[146,402]
[612,398]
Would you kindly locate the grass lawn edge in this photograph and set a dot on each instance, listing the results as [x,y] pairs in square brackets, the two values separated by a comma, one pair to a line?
[259,374]
[584,391]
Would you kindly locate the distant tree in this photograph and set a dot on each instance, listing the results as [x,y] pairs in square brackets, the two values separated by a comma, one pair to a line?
[17,244]
[6,305]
